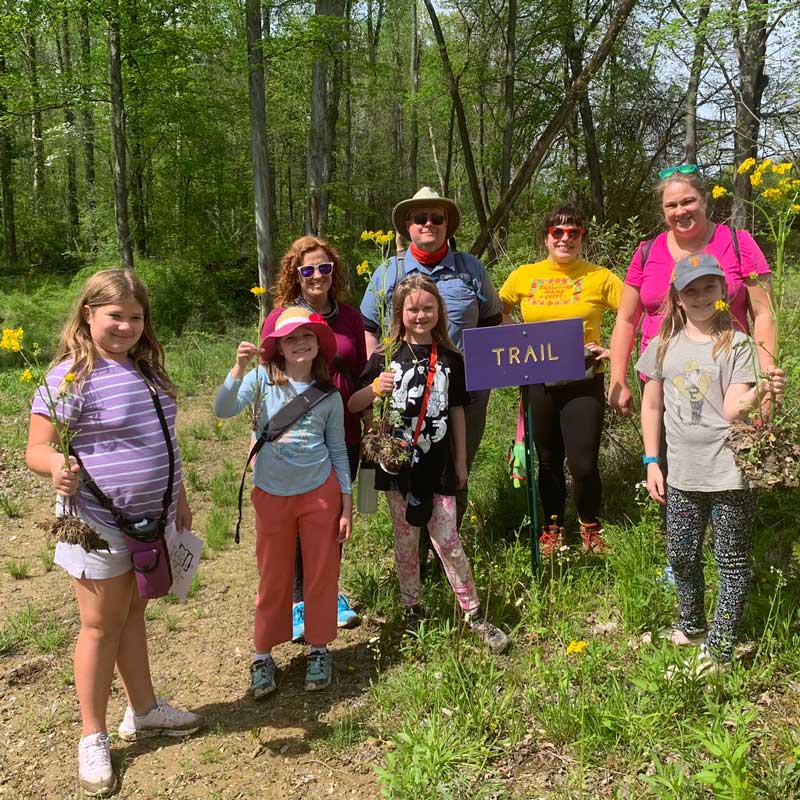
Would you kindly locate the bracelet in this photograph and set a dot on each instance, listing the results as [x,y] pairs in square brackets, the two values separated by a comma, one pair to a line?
[650,460]
[375,388]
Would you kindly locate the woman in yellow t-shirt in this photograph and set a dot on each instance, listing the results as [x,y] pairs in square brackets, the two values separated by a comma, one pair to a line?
[568,416]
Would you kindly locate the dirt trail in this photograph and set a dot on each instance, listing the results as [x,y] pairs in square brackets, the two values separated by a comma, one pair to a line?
[284,747]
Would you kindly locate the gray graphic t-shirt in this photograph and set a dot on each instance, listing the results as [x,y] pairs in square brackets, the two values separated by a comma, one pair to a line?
[694,390]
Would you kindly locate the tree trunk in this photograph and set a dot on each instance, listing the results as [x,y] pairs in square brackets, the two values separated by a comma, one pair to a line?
[374,21]
[448,169]
[7,176]
[575,59]
[751,48]
[64,52]
[469,162]
[544,141]
[118,166]
[690,156]
[323,126]
[413,134]
[36,120]
[138,193]
[509,111]
[262,197]
[87,118]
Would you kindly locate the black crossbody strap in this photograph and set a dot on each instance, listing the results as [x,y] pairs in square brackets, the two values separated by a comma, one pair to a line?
[89,482]
[278,424]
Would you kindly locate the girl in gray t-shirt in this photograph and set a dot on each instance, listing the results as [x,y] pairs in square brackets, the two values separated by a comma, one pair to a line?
[701,376]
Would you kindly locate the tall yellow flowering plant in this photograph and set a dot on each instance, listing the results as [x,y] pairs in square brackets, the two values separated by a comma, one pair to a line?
[68,528]
[255,412]
[379,443]
[767,447]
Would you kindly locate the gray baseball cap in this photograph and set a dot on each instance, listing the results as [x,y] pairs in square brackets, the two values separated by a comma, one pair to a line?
[690,268]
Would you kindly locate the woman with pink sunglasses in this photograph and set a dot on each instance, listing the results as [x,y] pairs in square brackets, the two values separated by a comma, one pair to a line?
[567,416]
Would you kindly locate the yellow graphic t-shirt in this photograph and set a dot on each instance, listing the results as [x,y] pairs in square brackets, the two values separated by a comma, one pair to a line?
[546,291]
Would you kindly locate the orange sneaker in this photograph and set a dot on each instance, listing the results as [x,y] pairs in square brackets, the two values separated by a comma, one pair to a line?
[551,540]
[592,536]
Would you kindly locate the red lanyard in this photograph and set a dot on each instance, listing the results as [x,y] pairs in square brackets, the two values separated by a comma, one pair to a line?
[426,394]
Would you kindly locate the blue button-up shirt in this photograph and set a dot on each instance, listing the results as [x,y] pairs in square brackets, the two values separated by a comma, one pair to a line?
[468,293]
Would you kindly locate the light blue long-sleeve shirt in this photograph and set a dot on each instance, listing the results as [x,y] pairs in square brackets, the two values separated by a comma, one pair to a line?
[300,460]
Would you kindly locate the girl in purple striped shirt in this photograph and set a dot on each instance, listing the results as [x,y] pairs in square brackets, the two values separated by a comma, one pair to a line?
[104,347]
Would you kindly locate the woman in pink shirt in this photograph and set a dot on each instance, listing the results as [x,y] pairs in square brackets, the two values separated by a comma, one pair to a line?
[690,231]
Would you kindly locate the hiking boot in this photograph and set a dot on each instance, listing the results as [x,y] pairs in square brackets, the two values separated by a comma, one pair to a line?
[319,667]
[345,616]
[161,719]
[553,538]
[95,773]
[412,617]
[491,634]
[592,536]
[298,622]
[262,678]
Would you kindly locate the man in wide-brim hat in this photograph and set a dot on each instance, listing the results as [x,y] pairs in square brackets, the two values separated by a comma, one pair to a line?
[429,221]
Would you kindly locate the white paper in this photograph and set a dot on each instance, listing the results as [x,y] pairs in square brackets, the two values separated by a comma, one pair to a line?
[184,556]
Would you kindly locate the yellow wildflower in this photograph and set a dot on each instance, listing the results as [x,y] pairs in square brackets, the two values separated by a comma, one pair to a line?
[387,340]
[796,184]
[363,268]
[12,339]
[720,305]
[576,647]
[69,377]
[26,377]
[764,164]
[257,291]
[795,207]
[718,191]
[366,236]
[753,276]
[746,166]
[780,169]
[755,178]
[770,195]
[384,238]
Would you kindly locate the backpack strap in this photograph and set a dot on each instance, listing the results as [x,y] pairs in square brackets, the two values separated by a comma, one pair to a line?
[735,243]
[644,251]
[278,424]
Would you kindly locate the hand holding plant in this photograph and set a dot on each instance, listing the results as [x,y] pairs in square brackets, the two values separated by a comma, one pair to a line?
[257,292]
[63,467]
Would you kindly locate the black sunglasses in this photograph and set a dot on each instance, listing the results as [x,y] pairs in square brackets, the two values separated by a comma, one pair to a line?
[421,219]
[307,270]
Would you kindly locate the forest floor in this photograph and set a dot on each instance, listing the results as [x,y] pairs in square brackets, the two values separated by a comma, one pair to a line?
[200,650]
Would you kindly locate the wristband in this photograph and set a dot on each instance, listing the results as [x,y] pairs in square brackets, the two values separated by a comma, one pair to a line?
[650,459]
[375,388]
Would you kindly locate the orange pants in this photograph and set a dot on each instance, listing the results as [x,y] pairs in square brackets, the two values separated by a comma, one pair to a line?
[314,517]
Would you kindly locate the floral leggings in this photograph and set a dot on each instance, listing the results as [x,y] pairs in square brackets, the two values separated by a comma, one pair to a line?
[446,542]
[731,514]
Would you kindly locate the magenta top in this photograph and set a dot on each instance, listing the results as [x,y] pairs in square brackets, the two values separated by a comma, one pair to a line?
[119,439]
[653,281]
[351,357]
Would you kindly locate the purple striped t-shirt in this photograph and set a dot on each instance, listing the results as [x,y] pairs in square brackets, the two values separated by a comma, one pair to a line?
[119,439]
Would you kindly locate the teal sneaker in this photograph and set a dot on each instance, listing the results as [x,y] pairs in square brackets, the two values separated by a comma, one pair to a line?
[262,678]
[318,671]
[346,617]
[298,622]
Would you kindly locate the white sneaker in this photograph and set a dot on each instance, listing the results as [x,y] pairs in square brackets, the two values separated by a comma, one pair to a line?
[162,719]
[95,773]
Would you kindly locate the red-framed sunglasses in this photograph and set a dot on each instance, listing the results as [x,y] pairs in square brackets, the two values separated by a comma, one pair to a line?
[558,232]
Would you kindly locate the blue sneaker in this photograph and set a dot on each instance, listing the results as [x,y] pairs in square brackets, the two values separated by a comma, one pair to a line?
[346,617]
[298,622]
[318,671]
[262,678]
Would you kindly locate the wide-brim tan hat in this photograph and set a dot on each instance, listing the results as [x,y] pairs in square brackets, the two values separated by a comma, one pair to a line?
[425,198]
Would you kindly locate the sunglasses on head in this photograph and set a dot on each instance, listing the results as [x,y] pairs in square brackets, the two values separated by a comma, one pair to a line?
[557,232]
[307,270]
[683,169]
[421,219]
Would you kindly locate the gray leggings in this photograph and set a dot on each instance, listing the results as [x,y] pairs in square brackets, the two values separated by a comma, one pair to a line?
[731,514]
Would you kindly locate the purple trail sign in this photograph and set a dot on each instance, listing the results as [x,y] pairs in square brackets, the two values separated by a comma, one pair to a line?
[517,355]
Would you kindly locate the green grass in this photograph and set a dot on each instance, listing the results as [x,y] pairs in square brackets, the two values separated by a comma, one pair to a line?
[10,507]
[219,528]
[30,629]
[18,570]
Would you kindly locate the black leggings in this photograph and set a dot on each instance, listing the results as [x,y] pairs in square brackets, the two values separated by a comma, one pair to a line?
[353,453]
[568,422]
